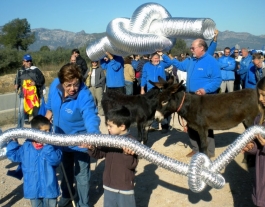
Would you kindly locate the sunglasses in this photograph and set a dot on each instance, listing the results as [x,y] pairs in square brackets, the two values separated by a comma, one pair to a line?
[27,61]
[235,52]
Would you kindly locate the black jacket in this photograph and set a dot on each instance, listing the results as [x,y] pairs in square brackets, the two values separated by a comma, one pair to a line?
[82,64]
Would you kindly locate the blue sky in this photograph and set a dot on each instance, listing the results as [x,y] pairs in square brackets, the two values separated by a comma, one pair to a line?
[94,16]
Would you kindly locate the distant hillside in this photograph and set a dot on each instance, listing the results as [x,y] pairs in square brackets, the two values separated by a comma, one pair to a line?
[60,38]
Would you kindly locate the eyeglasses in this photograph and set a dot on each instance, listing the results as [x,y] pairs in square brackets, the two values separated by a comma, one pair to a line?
[192,48]
[235,52]
[75,85]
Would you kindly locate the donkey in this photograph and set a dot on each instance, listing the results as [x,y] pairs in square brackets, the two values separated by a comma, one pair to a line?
[142,107]
[212,111]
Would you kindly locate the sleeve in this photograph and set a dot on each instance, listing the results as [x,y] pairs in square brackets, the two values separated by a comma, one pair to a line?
[40,78]
[98,152]
[144,76]
[14,152]
[212,48]
[89,111]
[102,76]
[254,150]
[103,64]
[52,155]
[183,66]
[166,61]
[131,72]
[230,65]
[52,89]
[140,66]
[251,76]
[115,65]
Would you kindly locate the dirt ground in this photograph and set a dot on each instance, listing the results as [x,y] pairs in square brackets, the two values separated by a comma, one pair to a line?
[155,186]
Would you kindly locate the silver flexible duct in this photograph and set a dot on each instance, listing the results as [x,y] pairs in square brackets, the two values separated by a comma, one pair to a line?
[200,171]
[150,29]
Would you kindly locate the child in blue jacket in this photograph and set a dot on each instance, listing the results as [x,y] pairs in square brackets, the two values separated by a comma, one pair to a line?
[38,162]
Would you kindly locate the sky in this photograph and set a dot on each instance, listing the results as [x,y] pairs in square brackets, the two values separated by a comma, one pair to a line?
[94,16]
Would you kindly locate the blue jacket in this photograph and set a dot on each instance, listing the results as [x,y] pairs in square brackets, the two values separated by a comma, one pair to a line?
[251,79]
[212,47]
[39,168]
[75,115]
[135,64]
[227,65]
[151,72]
[203,72]
[115,71]
[245,61]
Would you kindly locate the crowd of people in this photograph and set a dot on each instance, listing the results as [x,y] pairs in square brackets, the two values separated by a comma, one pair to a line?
[74,107]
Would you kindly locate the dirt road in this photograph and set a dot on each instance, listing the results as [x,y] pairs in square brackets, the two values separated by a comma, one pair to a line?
[156,186]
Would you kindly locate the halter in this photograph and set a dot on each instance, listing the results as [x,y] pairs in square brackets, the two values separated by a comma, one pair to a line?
[181,102]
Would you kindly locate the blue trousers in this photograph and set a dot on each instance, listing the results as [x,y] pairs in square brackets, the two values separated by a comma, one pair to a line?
[43,202]
[112,199]
[129,87]
[77,165]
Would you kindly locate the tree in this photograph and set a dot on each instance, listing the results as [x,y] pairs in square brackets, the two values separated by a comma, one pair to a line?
[179,47]
[17,34]
[45,48]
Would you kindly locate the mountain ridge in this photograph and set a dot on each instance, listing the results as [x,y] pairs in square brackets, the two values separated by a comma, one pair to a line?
[54,38]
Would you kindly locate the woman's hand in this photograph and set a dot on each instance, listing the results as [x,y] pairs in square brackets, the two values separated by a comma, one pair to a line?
[248,147]
[260,139]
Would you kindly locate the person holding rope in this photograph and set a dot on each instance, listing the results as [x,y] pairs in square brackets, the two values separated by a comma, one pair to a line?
[73,110]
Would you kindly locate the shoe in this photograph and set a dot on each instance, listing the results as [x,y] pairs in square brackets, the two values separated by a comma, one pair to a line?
[151,129]
[191,154]
[63,202]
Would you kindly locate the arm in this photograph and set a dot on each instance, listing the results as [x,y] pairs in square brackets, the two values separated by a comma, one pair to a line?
[167,61]
[213,44]
[88,110]
[97,152]
[40,78]
[14,151]
[251,76]
[143,79]
[183,66]
[102,76]
[52,155]
[216,79]
[228,65]
[131,72]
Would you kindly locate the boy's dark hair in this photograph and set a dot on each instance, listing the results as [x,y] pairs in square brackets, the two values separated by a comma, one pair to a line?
[38,121]
[120,116]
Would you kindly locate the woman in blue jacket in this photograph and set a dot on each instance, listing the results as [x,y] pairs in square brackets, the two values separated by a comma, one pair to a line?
[74,112]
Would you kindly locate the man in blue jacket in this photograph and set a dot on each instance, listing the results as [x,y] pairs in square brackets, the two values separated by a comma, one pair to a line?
[244,65]
[227,65]
[114,66]
[203,77]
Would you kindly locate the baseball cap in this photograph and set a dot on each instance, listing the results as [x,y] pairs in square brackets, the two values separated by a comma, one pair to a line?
[27,57]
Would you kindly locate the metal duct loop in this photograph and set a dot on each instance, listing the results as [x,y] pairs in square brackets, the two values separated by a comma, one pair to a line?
[150,29]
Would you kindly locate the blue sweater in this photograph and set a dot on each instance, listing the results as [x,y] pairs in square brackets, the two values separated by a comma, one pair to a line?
[251,79]
[151,72]
[39,168]
[75,115]
[244,65]
[115,71]
[203,72]
[227,65]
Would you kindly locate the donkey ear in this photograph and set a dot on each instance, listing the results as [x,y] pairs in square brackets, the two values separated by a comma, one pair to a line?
[174,88]
[157,84]
[161,80]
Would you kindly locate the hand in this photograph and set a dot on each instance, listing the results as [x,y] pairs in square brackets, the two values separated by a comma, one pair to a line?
[142,91]
[159,53]
[200,92]
[216,32]
[260,139]
[248,147]
[128,151]
[88,146]
[89,73]
[32,83]
[110,56]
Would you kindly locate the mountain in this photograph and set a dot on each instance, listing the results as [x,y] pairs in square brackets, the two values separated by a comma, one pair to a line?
[60,38]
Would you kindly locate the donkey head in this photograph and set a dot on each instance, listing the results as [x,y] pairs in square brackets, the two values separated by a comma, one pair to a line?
[169,101]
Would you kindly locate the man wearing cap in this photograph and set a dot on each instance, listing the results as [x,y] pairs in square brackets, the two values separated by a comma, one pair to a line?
[29,82]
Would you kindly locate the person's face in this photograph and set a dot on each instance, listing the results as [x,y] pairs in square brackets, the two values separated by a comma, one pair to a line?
[226,52]
[261,97]
[45,128]
[71,87]
[197,51]
[244,53]
[73,59]
[155,59]
[114,129]
[257,63]
[236,53]
[75,54]
[94,64]
[27,63]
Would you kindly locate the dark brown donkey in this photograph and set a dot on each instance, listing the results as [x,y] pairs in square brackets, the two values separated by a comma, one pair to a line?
[215,111]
